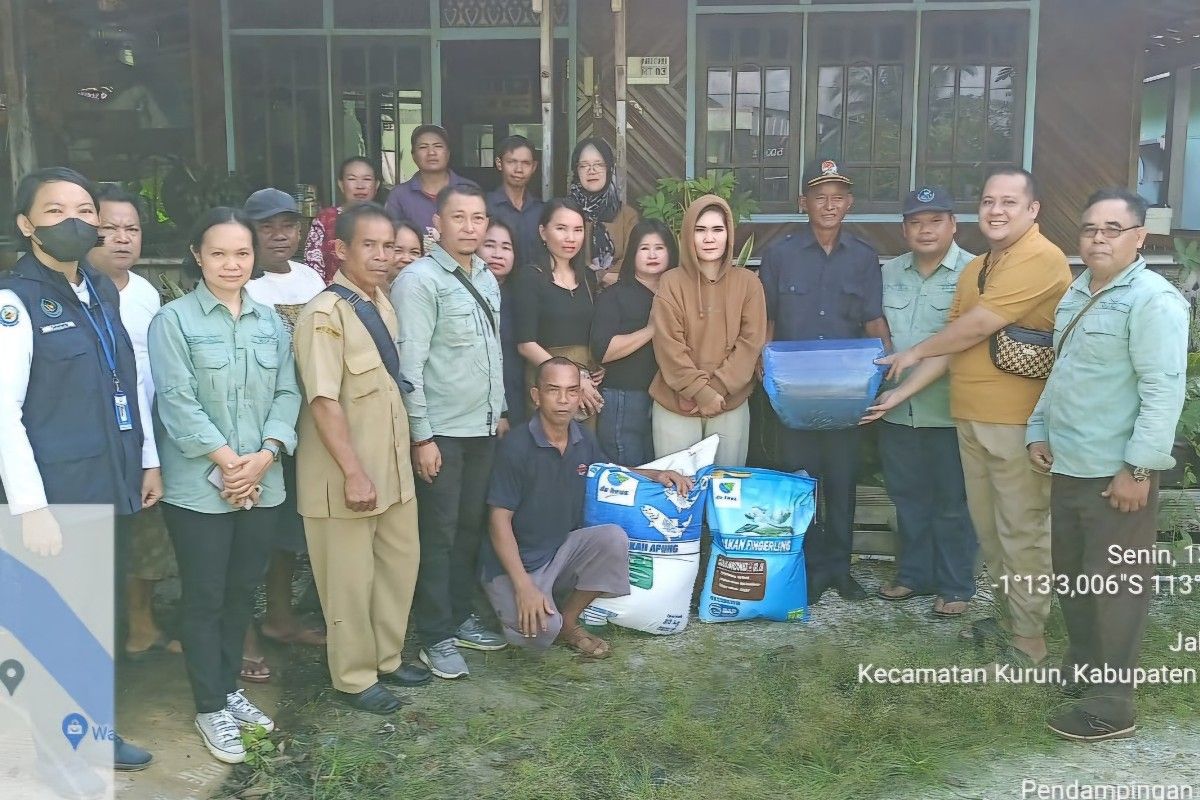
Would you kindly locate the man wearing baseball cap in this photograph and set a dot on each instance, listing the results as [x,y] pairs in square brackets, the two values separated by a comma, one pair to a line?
[286,286]
[824,283]
[918,443]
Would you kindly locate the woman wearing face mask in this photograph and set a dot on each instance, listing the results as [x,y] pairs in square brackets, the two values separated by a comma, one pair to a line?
[554,297]
[710,326]
[71,427]
[358,182]
[408,248]
[608,219]
[498,252]
[226,407]
[621,340]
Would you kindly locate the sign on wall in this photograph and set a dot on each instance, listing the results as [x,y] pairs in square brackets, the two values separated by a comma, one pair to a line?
[648,70]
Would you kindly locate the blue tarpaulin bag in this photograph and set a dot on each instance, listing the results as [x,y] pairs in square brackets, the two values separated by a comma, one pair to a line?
[758,519]
[824,384]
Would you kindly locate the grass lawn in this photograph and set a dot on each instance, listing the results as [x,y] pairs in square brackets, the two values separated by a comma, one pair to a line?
[737,710]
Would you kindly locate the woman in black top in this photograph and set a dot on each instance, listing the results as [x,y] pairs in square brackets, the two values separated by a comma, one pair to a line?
[621,340]
[554,298]
[498,252]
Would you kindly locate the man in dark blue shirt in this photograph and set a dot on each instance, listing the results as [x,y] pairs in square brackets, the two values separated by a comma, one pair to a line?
[541,569]
[824,283]
[511,201]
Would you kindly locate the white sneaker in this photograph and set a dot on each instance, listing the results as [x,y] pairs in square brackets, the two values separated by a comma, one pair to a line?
[246,713]
[221,736]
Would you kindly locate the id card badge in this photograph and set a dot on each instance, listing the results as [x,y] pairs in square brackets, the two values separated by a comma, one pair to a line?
[121,407]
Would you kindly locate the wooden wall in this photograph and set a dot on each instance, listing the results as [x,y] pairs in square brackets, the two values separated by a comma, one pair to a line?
[1088,110]
[655,115]
[1086,114]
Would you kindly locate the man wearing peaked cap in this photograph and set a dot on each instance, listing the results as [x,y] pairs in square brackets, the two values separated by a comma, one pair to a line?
[824,283]
[918,443]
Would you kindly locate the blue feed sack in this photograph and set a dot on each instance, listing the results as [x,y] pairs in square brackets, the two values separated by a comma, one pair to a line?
[664,547]
[758,519]
[822,385]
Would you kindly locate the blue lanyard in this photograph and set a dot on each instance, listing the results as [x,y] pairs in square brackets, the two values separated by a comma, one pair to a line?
[107,344]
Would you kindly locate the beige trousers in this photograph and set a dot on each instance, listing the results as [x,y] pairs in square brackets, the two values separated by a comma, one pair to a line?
[1009,503]
[674,432]
[365,571]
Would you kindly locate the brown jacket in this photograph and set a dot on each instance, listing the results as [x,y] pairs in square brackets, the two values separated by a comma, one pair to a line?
[708,334]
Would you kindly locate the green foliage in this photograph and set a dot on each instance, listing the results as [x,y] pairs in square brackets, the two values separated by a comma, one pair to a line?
[189,191]
[1187,253]
[672,196]
[259,747]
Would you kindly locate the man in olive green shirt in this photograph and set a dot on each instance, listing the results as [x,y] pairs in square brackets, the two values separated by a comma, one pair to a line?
[1103,428]
[918,442]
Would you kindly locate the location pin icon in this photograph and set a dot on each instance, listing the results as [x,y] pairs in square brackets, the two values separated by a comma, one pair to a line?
[12,672]
[74,727]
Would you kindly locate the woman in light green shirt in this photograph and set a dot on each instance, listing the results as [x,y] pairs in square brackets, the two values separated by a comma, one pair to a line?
[226,406]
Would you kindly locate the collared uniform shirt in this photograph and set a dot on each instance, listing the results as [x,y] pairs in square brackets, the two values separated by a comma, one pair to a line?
[917,307]
[408,201]
[220,380]
[1117,387]
[542,487]
[337,359]
[449,349]
[812,294]
[524,222]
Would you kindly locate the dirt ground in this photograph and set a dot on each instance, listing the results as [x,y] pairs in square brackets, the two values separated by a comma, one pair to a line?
[156,712]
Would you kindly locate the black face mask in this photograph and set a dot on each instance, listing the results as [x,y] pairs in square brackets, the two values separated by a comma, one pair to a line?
[69,240]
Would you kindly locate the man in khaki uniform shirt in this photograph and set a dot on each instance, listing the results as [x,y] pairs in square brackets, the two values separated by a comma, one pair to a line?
[1024,276]
[354,477]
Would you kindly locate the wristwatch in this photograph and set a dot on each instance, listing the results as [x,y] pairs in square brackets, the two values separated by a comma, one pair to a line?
[1140,474]
[271,448]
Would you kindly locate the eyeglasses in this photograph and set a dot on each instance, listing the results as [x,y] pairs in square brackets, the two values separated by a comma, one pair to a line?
[592,166]
[1108,231]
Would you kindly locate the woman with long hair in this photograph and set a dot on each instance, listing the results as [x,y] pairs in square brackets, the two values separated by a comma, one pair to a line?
[554,300]
[358,182]
[622,334]
[608,220]
[227,403]
[710,326]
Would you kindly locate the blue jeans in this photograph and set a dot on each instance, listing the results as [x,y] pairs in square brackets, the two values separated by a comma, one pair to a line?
[925,480]
[624,428]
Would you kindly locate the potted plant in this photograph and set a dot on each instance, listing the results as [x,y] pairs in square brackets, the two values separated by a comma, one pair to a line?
[672,196]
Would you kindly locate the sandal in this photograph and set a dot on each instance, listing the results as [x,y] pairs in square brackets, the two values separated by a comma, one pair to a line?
[882,593]
[255,670]
[948,609]
[582,642]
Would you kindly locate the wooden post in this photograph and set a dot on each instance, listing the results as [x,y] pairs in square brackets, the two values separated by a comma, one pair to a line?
[546,40]
[620,61]
[21,152]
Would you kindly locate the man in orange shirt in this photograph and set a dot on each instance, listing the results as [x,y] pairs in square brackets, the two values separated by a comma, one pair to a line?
[1023,276]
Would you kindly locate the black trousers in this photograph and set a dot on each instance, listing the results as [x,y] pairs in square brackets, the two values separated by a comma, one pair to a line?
[1103,627]
[222,559]
[832,458]
[452,515]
